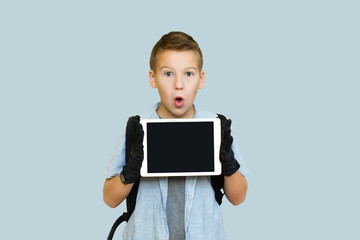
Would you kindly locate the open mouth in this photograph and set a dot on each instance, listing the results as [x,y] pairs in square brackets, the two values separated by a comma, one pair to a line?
[179,102]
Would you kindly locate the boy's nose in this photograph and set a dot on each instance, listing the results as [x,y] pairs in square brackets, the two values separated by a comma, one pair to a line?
[178,83]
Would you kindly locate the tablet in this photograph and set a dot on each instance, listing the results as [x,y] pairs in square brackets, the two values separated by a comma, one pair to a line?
[181,147]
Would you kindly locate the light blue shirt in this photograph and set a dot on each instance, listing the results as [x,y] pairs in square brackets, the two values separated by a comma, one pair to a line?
[203,219]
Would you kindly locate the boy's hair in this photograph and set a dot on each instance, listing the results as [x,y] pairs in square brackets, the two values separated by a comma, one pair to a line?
[175,41]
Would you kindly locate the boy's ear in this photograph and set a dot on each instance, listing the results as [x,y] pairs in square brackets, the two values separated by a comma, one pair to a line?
[152,79]
[202,79]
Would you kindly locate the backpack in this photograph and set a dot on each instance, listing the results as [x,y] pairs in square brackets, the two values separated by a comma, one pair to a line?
[217,182]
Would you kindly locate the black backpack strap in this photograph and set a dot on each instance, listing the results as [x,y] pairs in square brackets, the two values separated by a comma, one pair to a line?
[131,198]
[124,217]
[217,182]
[222,119]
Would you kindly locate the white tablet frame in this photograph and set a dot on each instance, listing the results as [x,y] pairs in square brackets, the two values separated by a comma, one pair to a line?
[217,141]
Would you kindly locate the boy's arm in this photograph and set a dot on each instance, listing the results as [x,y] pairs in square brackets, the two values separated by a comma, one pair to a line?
[114,191]
[235,188]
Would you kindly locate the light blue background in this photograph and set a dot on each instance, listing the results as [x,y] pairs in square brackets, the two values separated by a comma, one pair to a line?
[286,72]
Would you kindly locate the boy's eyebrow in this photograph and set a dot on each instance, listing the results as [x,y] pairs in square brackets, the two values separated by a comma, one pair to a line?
[192,68]
[165,67]
[184,68]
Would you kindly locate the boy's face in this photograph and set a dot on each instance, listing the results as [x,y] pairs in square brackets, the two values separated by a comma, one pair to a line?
[177,79]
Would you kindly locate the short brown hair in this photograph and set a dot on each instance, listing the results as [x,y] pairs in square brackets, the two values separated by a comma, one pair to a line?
[175,41]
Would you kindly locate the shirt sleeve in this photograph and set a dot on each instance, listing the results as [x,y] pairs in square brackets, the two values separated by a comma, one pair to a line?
[243,169]
[117,159]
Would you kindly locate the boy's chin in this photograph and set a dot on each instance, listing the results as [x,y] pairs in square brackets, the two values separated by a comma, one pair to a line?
[183,113]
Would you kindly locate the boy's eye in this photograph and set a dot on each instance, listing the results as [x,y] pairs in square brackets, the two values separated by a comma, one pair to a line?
[168,74]
[188,74]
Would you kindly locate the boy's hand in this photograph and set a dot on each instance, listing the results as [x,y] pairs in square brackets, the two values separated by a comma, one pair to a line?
[227,159]
[134,150]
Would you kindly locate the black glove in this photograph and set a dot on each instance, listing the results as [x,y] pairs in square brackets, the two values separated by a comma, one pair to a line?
[227,159]
[134,150]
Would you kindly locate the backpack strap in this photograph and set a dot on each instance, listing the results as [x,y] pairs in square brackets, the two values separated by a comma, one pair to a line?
[131,198]
[124,217]
[217,182]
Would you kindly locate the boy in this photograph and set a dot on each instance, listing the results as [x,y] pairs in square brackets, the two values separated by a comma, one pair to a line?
[174,207]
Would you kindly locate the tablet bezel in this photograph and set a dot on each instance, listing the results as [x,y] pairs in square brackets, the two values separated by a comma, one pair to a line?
[217,140]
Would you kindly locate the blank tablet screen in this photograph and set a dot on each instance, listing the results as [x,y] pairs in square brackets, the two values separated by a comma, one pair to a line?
[180,147]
